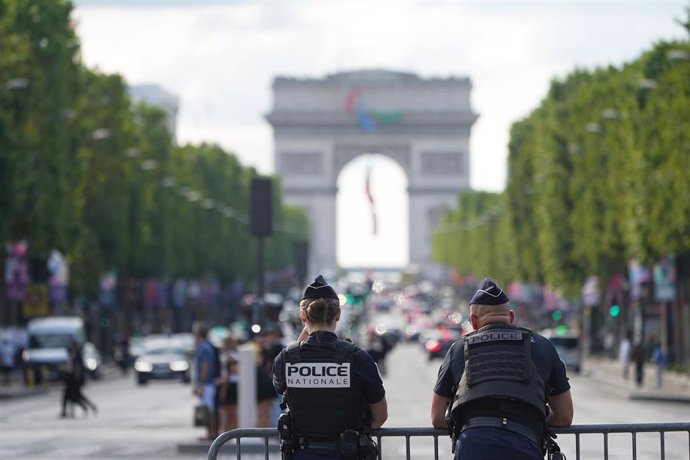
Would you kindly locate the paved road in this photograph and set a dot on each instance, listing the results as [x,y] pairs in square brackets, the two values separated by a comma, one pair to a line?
[150,422]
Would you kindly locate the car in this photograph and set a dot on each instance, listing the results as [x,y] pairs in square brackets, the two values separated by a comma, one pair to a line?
[567,344]
[437,342]
[48,341]
[164,362]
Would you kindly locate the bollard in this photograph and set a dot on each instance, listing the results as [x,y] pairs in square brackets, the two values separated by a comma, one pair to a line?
[44,376]
[30,376]
[246,387]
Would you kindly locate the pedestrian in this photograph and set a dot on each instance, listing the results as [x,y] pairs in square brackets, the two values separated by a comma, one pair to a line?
[272,346]
[378,347]
[609,341]
[332,388]
[227,385]
[265,393]
[7,354]
[207,362]
[494,385]
[625,354]
[639,357]
[660,362]
[74,378]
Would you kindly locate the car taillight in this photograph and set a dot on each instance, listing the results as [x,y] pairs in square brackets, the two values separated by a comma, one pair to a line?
[432,346]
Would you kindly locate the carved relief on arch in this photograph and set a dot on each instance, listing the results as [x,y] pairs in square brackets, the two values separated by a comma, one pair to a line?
[400,153]
[442,163]
[302,163]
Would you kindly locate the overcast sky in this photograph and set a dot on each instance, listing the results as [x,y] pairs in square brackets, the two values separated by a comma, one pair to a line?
[220,57]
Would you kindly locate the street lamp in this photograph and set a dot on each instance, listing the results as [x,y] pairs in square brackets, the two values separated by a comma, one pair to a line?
[132,152]
[647,83]
[678,55]
[17,83]
[610,114]
[594,128]
[100,134]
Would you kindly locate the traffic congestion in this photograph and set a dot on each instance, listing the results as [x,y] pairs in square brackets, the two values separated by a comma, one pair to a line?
[393,321]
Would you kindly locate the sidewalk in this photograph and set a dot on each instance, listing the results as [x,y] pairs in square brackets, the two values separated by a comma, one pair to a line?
[17,389]
[675,387]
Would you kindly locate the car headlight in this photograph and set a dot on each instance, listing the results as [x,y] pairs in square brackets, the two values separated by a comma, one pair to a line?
[142,366]
[179,366]
[91,364]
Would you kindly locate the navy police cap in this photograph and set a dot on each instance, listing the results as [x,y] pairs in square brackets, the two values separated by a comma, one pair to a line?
[489,294]
[319,289]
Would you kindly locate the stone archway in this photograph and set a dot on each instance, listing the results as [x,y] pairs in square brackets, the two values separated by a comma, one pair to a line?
[320,125]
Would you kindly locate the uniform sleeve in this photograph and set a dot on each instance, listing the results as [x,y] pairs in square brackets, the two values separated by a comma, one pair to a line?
[557,376]
[372,390]
[446,380]
[279,373]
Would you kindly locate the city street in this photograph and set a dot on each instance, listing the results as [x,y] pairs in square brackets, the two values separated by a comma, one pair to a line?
[149,422]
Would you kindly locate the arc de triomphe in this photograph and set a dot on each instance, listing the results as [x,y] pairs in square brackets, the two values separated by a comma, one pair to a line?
[320,125]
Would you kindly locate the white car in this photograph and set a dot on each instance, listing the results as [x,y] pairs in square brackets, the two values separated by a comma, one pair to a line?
[48,341]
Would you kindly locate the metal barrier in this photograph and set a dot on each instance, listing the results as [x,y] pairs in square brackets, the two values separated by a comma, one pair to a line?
[621,441]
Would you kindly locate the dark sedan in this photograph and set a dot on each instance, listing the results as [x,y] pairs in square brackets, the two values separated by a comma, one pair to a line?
[163,364]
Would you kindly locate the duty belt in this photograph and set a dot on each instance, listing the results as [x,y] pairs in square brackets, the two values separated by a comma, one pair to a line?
[320,445]
[504,423]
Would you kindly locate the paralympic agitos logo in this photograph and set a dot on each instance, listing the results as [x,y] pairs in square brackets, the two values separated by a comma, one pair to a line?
[368,119]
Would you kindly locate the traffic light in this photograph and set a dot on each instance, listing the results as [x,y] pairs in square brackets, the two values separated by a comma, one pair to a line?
[556,315]
[614,310]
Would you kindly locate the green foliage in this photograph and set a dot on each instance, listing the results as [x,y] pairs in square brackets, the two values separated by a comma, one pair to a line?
[597,176]
[85,171]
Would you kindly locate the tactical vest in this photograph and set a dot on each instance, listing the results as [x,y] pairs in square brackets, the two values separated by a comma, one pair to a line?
[321,394]
[498,366]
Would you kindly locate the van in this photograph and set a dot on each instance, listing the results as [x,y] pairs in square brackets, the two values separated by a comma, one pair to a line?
[567,344]
[48,341]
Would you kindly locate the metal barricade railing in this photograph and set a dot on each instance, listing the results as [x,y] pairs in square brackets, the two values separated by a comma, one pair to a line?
[626,444]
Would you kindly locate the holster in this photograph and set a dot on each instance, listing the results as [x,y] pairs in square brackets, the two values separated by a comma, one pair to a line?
[453,429]
[550,446]
[354,445]
[286,432]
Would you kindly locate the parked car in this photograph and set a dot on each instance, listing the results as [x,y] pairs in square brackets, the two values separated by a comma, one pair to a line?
[163,362]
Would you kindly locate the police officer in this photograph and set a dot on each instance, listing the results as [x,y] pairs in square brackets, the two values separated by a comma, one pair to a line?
[500,386]
[332,387]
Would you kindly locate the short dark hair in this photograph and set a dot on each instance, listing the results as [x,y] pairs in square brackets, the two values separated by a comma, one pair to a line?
[200,328]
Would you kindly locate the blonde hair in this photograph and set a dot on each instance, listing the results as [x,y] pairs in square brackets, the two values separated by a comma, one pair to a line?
[320,311]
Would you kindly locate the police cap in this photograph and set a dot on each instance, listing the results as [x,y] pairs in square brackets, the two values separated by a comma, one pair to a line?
[319,289]
[489,294]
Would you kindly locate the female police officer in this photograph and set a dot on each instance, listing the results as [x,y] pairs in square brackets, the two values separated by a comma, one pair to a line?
[332,387]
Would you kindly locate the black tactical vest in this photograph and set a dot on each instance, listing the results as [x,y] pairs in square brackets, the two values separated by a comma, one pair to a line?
[322,397]
[498,367]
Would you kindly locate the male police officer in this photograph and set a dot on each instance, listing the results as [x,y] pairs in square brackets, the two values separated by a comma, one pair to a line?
[494,385]
[332,387]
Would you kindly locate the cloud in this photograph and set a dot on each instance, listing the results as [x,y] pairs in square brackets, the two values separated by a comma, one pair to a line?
[221,57]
